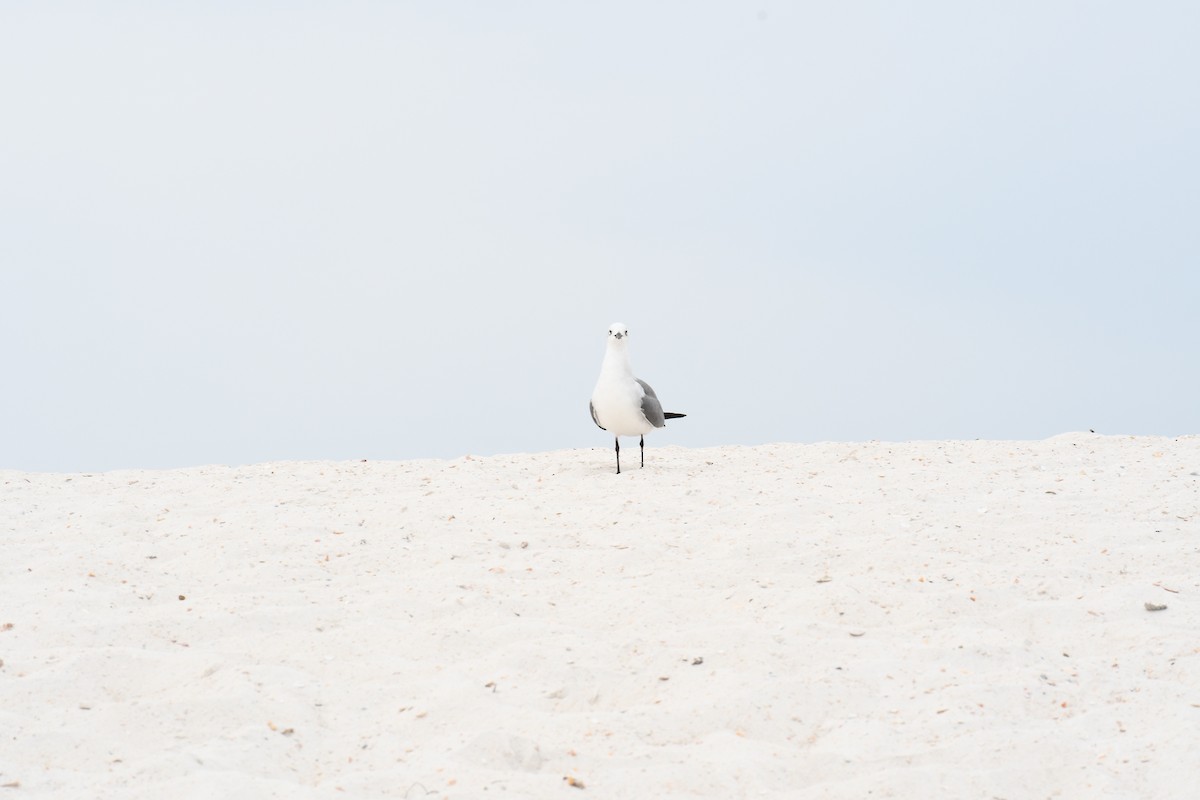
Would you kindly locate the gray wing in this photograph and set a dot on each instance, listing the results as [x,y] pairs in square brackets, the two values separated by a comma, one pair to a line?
[651,408]
[592,409]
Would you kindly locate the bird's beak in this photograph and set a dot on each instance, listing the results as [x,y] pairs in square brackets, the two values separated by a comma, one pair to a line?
[619,335]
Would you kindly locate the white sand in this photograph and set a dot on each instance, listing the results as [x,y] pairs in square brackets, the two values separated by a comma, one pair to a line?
[949,619]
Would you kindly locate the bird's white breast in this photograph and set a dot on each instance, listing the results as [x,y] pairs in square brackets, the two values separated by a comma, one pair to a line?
[618,403]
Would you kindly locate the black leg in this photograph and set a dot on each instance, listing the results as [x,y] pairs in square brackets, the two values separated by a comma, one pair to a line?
[642,444]
[618,441]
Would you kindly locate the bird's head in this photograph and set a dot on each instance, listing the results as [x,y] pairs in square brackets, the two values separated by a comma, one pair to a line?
[617,332]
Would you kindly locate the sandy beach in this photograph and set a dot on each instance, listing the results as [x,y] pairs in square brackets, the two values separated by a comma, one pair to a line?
[844,620]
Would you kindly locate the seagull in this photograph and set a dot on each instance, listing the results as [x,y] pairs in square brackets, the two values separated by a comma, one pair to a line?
[622,404]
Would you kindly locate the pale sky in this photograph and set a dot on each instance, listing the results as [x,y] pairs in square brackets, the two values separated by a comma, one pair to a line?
[244,232]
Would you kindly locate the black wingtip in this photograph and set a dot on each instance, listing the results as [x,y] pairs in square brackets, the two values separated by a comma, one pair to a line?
[673,415]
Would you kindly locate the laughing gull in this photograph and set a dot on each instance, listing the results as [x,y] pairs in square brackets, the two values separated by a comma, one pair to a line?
[622,404]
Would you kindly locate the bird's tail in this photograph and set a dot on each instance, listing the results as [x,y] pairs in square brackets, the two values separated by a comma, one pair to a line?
[672,415]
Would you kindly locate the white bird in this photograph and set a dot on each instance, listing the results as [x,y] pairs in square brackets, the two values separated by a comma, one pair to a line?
[622,404]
